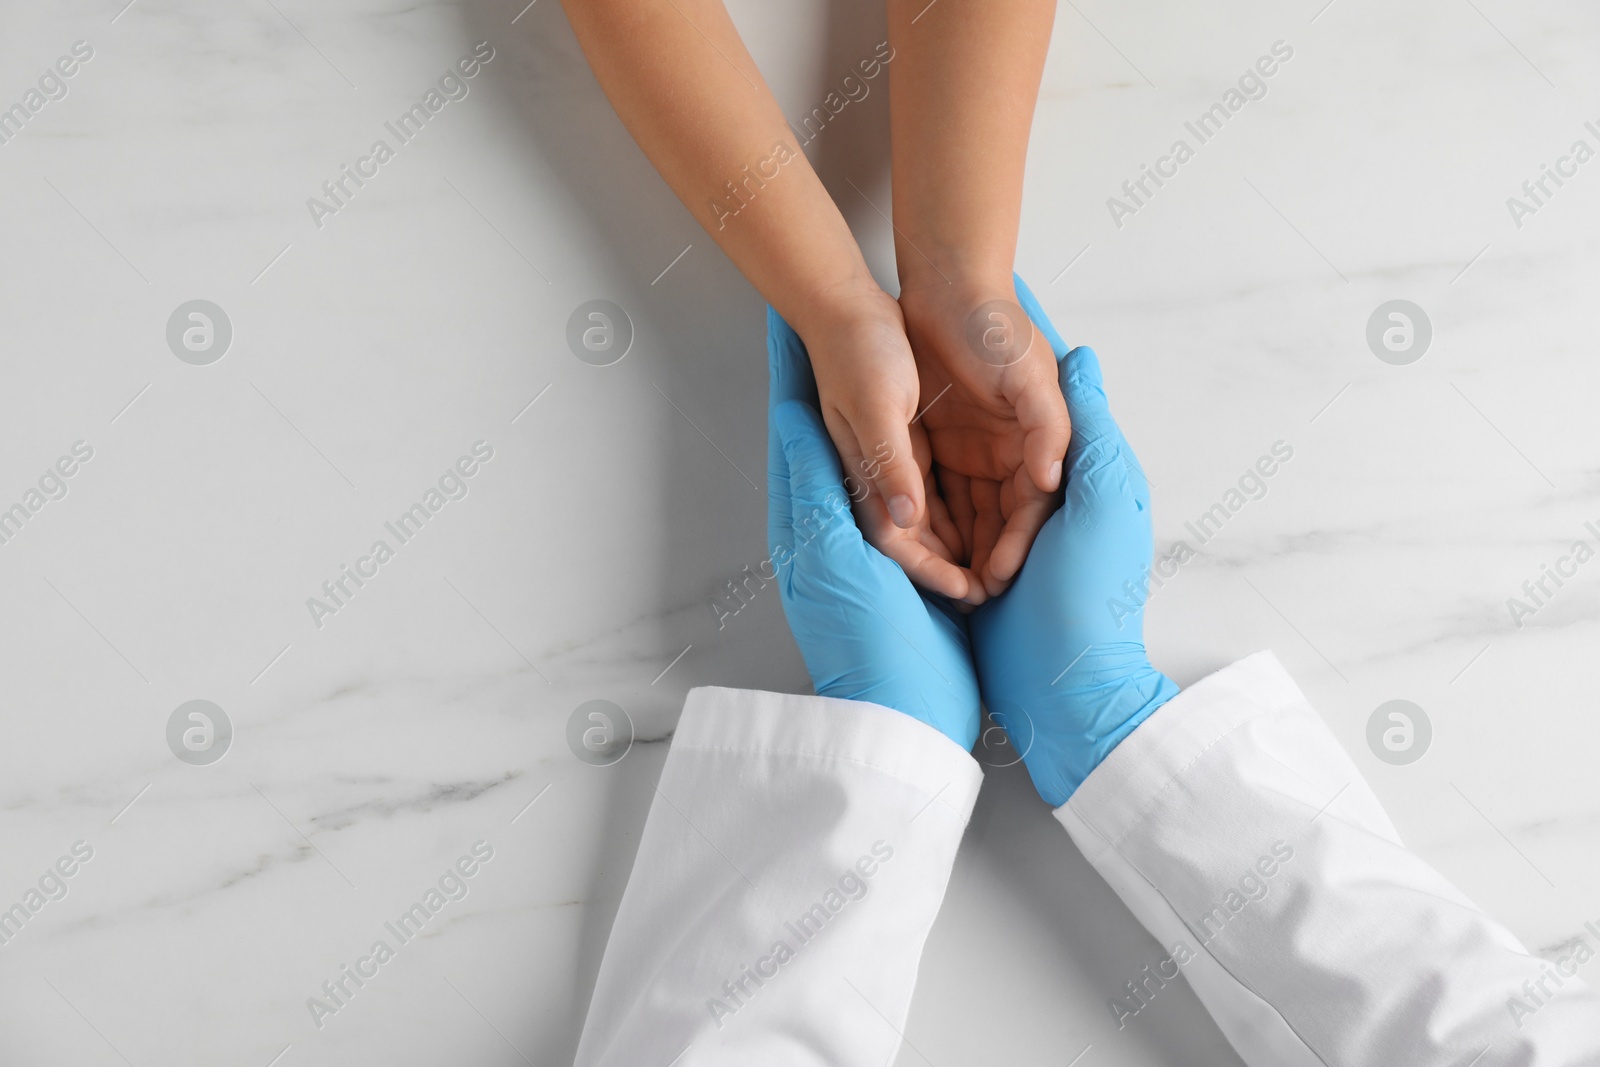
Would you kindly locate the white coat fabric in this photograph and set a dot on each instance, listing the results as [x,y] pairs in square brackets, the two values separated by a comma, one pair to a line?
[799,847]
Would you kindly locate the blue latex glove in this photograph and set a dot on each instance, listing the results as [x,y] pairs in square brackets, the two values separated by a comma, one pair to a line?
[1061,656]
[1035,310]
[865,631]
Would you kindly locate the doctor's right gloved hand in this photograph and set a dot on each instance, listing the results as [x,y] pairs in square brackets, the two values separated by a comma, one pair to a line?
[1061,656]
[865,631]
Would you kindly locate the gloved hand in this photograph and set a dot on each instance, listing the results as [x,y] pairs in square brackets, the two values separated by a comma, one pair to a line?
[865,631]
[1061,656]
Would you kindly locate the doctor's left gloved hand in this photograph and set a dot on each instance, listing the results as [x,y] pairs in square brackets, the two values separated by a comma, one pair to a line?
[865,631]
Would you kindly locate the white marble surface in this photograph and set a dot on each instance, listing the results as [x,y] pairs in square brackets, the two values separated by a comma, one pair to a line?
[425,715]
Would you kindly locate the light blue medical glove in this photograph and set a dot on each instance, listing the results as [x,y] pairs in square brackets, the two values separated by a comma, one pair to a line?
[865,631]
[1035,310]
[1061,655]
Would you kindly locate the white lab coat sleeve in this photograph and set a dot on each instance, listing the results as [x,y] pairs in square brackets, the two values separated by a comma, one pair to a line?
[792,863]
[1243,837]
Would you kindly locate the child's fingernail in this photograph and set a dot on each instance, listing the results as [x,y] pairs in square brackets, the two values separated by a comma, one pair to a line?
[1055,477]
[902,510]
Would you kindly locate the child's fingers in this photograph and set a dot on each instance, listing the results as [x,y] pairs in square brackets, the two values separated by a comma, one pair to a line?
[888,463]
[1027,508]
[956,492]
[1046,428]
[987,522]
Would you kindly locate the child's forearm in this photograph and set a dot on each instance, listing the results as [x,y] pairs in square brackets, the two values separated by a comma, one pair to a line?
[686,88]
[962,92]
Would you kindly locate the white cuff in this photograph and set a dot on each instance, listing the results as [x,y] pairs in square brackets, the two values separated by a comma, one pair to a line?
[1117,793]
[829,730]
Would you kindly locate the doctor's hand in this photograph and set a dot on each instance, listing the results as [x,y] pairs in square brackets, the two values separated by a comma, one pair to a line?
[865,631]
[1061,656]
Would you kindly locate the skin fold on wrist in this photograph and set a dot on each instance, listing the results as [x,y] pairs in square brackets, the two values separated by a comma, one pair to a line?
[830,306]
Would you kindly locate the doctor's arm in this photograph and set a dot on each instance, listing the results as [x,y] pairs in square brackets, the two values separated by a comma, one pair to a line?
[1233,825]
[798,847]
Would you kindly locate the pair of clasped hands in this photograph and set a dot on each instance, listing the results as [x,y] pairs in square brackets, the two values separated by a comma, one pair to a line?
[1026,631]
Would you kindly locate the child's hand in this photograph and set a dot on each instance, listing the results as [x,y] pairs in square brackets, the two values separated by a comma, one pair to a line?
[867,392]
[994,417]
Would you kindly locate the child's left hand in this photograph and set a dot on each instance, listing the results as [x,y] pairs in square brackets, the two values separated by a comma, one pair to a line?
[994,416]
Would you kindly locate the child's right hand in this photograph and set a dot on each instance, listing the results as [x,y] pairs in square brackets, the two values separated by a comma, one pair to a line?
[867,391]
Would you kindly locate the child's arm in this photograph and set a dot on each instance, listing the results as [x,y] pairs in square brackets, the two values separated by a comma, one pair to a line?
[964,82]
[685,87]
